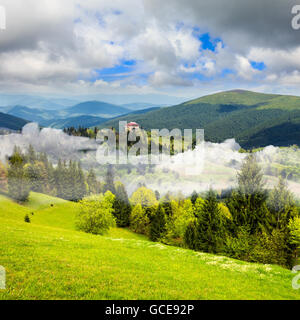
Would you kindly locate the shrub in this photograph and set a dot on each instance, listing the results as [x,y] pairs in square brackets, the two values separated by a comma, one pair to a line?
[139,221]
[26,218]
[96,213]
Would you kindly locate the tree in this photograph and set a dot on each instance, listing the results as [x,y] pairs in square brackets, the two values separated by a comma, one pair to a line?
[93,185]
[158,224]
[3,177]
[210,226]
[194,197]
[31,156]
[96,214]
[122,208]
[139,221]
[18,182]
[247,204]
[191,235]
[143,196]
[157,195]
[109,180]
[80,187]
[281,205]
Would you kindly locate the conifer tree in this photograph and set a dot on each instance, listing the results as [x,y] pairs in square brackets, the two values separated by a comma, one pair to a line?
[18,184]
[93,185]
[122,208]
[3,177]
[210,226]
[194,197]
[248,203]
[158,224]
[109,180]
[191,235]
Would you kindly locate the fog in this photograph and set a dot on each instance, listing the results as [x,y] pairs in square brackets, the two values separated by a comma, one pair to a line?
[210,165]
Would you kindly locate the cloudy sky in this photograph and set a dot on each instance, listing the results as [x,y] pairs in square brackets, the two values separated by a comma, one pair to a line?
[183,48]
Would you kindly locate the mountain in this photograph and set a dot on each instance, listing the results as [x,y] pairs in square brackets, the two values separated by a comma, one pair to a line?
[30,114]
[10,122]
[253,119]
[36,101]
[141,106]
[80,121]
[96,108]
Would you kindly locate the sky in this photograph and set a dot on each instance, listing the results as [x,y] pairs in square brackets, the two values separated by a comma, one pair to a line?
[170,48]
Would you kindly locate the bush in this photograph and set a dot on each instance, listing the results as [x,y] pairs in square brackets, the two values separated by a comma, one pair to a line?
[26,218]
[239,247]
[96,214]
[270,249]
[139,221]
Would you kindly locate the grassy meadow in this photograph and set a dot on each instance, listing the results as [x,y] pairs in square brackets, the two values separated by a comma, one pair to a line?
[49,259]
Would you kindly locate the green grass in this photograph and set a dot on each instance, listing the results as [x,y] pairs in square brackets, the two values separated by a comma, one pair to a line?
[49,259]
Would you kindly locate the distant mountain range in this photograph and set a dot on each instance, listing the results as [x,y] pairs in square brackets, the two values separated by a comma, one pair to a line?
[10,122]
[96,108]
[80,121]
[253,119]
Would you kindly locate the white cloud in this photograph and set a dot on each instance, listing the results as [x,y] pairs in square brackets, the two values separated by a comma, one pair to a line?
[51,45]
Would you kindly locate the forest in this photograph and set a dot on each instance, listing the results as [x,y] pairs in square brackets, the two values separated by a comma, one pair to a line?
[250,223]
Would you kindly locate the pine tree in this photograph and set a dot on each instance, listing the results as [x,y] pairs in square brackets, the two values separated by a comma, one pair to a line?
[109,180]
[158,224]
[281,205]
[93,185]
[3,177]
[31,155]
[122,208]
[210,226]
[191,235]
[248,203]
[18,183]
[80,184]
[157,195]
[194,197]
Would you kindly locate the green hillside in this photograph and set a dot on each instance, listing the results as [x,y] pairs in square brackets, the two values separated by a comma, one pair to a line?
[11,122]
[48,259]
[251,118]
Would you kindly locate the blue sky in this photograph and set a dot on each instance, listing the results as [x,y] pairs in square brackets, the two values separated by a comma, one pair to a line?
[143,47]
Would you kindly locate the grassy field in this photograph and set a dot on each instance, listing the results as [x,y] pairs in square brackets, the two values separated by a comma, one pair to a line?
[49,259]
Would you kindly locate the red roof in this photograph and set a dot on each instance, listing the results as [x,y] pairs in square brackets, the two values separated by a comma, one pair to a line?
[132,124]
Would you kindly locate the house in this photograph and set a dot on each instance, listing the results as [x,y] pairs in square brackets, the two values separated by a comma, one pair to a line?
[132,126]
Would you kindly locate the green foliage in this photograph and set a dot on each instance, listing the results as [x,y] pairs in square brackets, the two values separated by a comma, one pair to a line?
[191,235]
[281,205]
[18,181]
[194,197]
[96,213]
[122,208]
[139,221]
[3,177]
[143,196]
[26,218]
[93,184]
[109,180]
[158,224]
[247,205]
[210,226]
[254,119]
